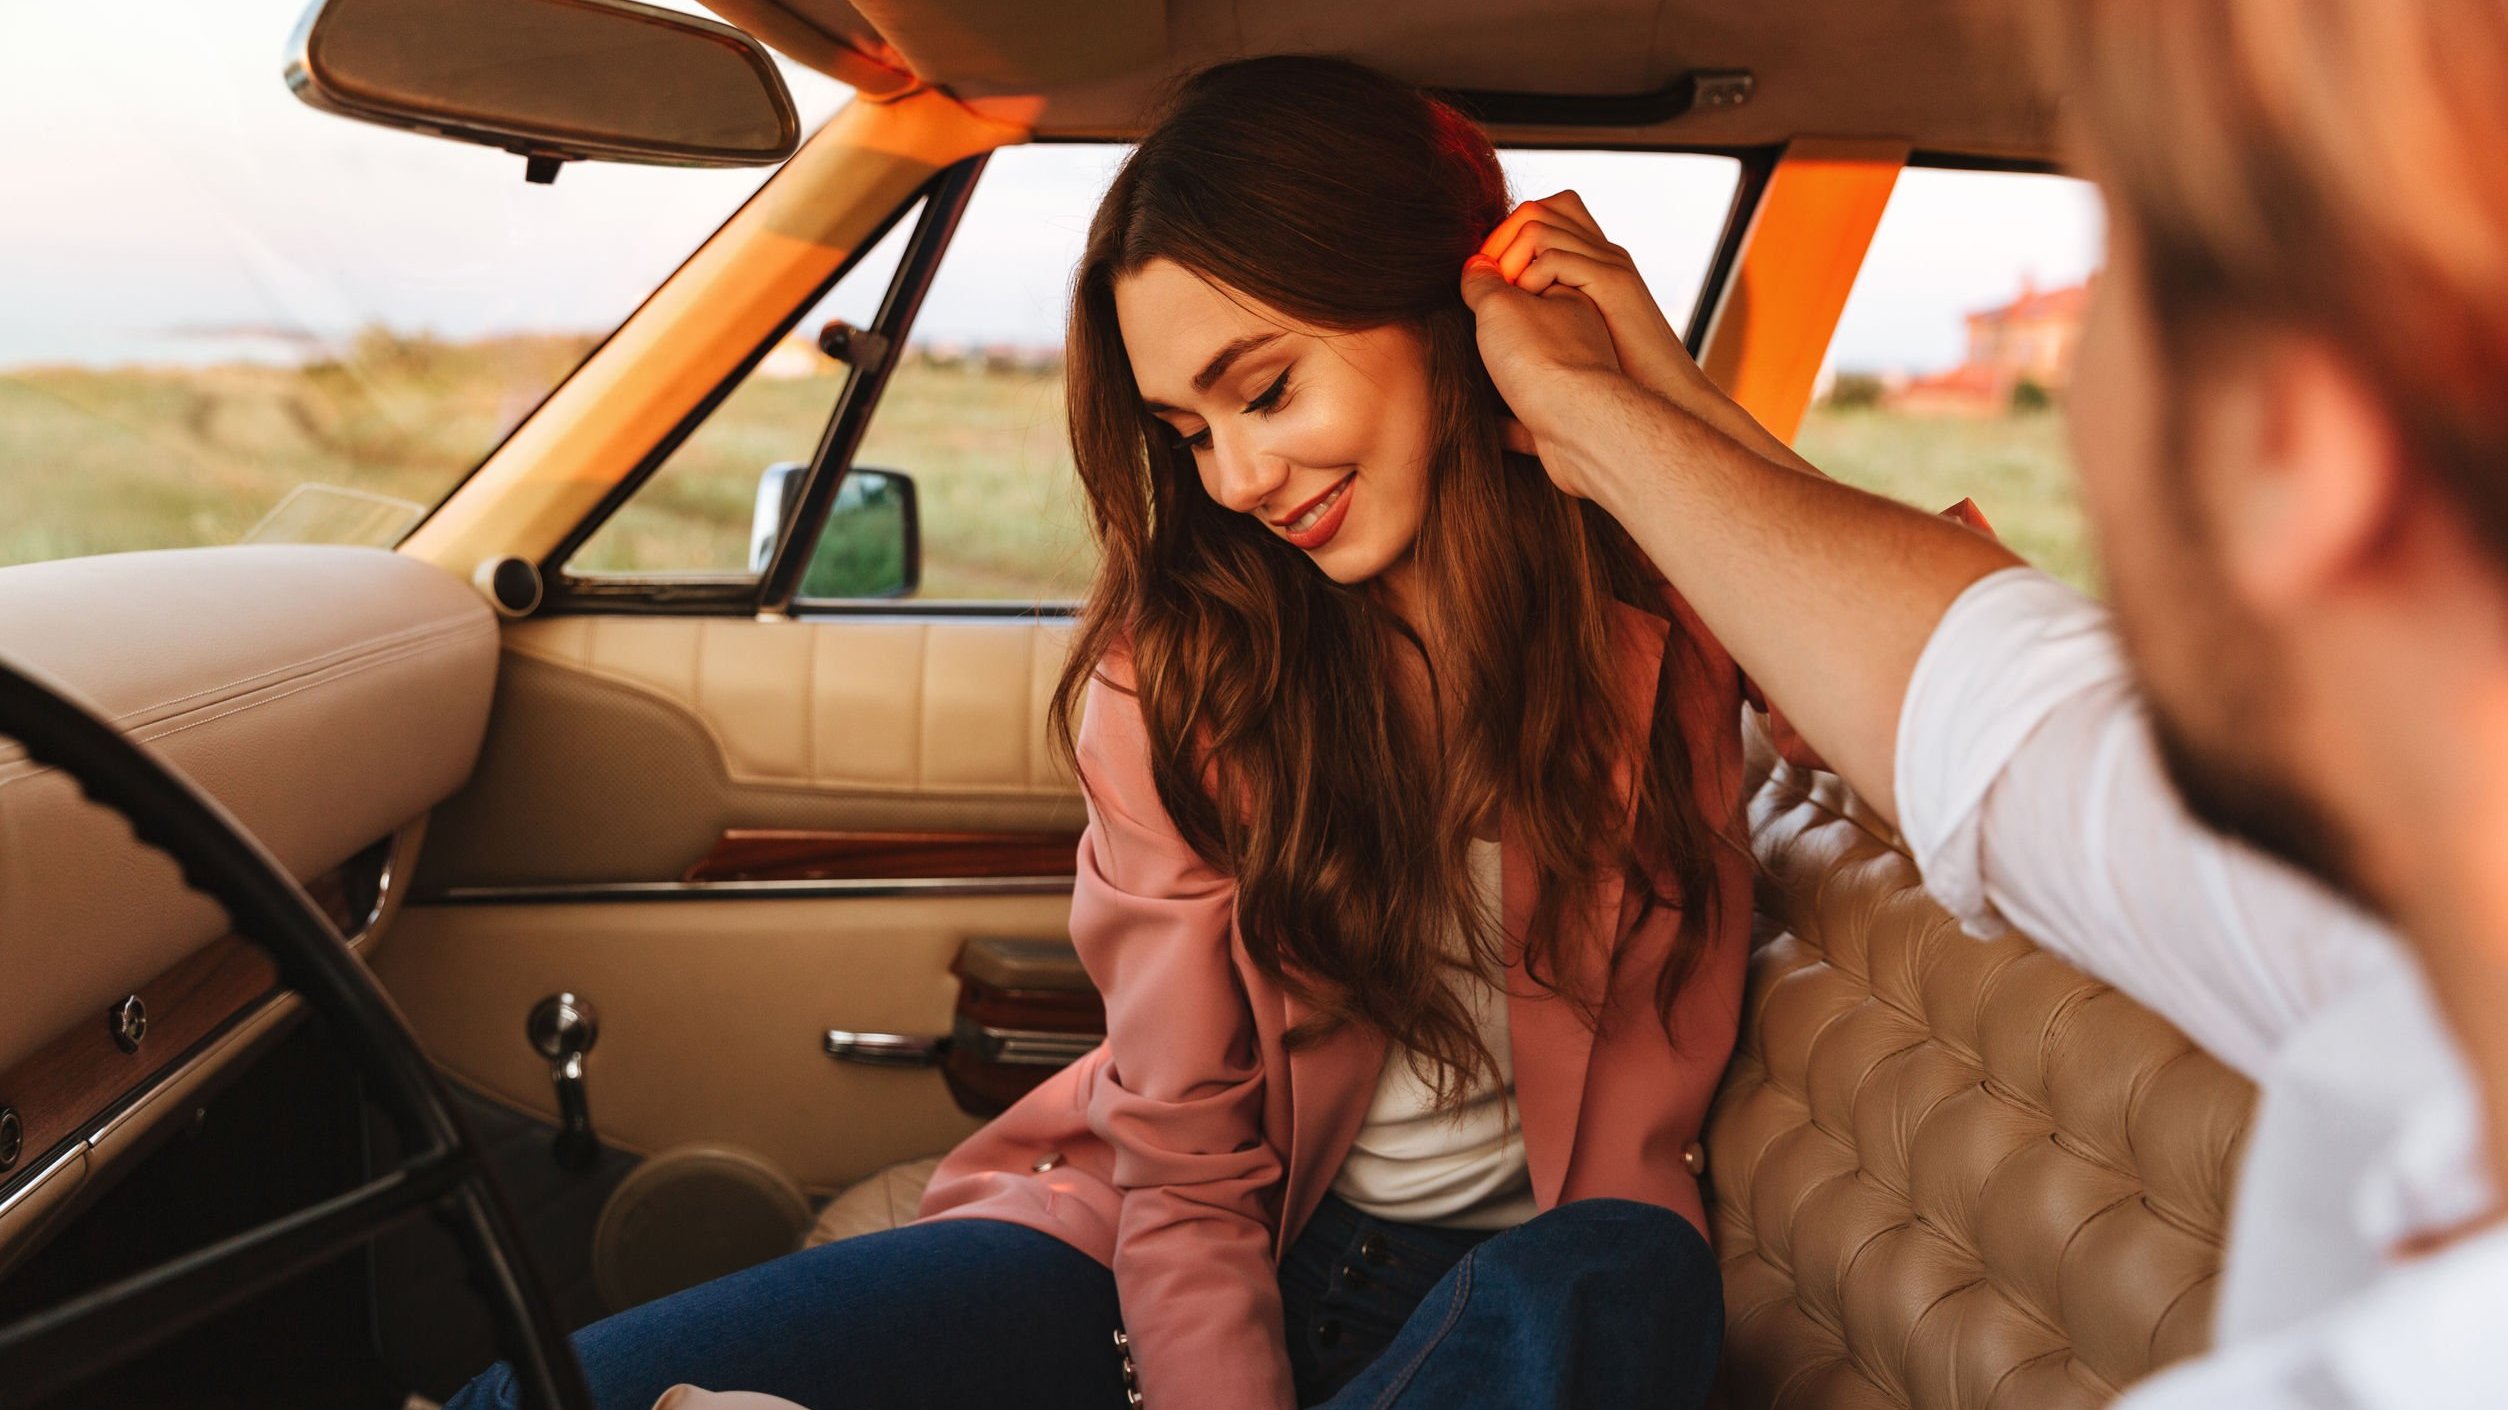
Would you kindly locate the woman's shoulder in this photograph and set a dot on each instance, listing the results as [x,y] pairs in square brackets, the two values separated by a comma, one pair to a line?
[1110,703]
[1113,742]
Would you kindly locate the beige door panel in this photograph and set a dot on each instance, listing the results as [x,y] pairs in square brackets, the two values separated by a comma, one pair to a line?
[621,748]
[712,1014]
[620,751]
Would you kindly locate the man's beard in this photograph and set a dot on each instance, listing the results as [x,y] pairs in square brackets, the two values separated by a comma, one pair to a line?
[2242,799]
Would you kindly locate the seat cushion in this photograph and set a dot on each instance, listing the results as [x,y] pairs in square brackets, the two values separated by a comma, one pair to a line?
[1948,1172]
[1942,1172]
[883,1201]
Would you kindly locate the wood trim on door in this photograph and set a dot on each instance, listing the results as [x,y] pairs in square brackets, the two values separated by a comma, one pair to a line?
[789,854]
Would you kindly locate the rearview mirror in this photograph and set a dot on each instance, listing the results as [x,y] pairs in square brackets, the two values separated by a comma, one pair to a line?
[871,545]
[553,80]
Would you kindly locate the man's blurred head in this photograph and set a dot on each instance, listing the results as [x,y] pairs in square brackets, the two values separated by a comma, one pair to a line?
[2291,412]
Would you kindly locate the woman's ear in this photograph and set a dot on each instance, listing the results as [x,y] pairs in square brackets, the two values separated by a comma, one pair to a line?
[1515,437]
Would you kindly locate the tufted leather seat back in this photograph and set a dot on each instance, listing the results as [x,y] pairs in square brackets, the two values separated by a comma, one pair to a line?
[1945,1172]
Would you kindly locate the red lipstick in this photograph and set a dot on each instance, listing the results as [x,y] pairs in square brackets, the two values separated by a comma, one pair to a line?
[1327,524]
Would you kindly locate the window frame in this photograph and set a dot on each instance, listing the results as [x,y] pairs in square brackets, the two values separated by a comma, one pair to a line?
[945,198]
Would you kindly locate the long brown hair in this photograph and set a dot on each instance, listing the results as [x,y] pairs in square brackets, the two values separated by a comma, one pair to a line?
[1347,200]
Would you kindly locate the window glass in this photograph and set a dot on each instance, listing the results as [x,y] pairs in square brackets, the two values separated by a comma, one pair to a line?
[974,412]
[696,515]
[229,314]
[1667,209]
[1948,375]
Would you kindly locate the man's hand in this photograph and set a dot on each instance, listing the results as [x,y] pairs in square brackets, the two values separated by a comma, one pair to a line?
[1556,243]
[1553,246]
[1538,347]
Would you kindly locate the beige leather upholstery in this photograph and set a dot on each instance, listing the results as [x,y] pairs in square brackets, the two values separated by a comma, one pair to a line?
[1943,1173]
[712,1014]
[850,705]
[884,1201]
[624,746]
[326,696]
[1949,1173]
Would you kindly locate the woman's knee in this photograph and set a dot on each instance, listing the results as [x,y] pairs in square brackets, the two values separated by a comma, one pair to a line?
[1616,1230]
[1631,1256]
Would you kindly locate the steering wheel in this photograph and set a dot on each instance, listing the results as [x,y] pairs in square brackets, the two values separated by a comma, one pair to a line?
[65,1344]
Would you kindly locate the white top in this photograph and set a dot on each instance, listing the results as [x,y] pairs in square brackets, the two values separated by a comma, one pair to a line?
[2031,793]
[1463,1167]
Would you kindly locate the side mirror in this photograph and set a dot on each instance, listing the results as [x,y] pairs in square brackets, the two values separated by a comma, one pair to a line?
[872,543]
[552,80]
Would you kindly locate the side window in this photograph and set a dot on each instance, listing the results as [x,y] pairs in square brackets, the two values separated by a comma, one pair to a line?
[1667,209]
[695,516]
[973,413]
[1948,376]
[969,435]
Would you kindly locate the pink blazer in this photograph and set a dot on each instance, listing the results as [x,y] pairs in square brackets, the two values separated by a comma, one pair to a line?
[1189,1149]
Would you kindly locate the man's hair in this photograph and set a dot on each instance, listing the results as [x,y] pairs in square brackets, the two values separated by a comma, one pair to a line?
[2330,169]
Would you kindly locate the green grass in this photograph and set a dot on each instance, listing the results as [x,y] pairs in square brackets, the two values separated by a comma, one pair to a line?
[2015,467]
[100,461]
[1000,504]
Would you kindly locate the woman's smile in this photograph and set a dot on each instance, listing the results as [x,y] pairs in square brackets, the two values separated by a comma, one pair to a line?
[1316,521]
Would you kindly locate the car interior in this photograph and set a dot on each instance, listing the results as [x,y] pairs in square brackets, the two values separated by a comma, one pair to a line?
[721,902]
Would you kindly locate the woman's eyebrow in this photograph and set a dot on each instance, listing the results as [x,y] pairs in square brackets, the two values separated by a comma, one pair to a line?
[1217,367]
[1227,357]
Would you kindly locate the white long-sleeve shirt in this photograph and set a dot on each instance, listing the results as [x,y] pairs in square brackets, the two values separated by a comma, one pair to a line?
[2031,793]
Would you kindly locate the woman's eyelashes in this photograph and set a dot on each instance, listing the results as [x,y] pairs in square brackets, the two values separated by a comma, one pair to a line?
[1269,398]
[1264,403]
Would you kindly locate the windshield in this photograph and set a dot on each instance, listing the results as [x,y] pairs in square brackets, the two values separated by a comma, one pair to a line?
[226,315]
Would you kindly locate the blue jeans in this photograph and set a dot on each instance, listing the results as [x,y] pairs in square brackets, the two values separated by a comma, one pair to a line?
[1600,1303]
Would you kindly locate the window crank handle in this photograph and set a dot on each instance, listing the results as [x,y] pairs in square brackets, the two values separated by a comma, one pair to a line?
[563,1028]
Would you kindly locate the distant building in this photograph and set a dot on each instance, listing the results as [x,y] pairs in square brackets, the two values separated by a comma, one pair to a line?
[2031,339]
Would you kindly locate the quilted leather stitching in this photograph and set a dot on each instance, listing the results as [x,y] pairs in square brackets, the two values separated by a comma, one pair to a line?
[1948,1172]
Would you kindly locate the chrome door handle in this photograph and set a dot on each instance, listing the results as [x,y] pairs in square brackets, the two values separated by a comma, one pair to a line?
[886,1049]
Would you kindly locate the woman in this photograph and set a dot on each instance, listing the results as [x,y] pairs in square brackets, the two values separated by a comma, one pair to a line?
[1411,880]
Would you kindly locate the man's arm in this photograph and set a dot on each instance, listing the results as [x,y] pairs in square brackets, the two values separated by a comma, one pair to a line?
[1826,595]
[2003,736]
[1823,593]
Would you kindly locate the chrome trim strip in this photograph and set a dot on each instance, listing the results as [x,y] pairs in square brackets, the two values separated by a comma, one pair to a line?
[849,889]
[1027,1047]
[210,1048]
[884,1049]
[383,883]
[34,1179]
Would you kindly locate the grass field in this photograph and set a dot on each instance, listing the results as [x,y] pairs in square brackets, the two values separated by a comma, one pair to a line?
[2016,468]
[101,461]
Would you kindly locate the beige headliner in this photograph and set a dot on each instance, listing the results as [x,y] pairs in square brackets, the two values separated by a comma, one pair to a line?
[1944,75]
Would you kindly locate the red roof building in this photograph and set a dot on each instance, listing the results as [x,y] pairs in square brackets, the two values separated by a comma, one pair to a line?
[2031,339]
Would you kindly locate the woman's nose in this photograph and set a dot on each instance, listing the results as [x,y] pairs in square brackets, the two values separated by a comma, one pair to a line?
[1242,476]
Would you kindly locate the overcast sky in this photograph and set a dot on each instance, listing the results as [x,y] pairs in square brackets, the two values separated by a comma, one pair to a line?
[168,189]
